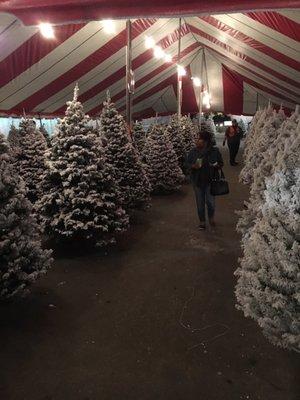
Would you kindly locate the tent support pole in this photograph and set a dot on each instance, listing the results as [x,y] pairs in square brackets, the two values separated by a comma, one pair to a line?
[201,89]
[179,77]
[200,106]
[128,74]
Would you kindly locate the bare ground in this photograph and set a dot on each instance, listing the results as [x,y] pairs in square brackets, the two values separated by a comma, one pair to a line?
[153,319]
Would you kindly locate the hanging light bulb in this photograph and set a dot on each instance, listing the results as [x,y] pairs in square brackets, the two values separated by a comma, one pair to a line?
[158,52]
[149,42]
[196,81]
[181,70]
[207,99]
[168,58]
[109,26]
[47,30]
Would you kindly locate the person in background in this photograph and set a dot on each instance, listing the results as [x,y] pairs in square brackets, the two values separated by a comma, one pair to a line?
[233,136]
[203,160]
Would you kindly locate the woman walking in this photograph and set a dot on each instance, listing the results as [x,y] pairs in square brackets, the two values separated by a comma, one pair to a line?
[233,136]
[203,160]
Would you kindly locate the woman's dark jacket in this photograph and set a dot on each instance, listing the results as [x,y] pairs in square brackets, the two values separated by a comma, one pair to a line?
[203,176]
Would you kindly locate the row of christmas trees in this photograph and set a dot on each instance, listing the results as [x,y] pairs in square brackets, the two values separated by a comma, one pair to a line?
[268,287]
[81,187]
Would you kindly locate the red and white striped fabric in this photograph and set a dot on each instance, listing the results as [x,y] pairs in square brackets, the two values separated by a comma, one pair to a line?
[250,58]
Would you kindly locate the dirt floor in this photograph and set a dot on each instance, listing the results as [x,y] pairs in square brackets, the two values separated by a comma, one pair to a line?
[154,319]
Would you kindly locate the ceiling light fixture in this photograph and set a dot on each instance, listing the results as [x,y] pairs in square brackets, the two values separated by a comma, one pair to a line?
[109,26]
[149,42]
[47,30]
[181,70]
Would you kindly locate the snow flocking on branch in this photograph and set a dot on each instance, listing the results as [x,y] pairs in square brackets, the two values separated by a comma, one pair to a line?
[22,258]
[128,169]
[268,284]
[81,199]
[164,172]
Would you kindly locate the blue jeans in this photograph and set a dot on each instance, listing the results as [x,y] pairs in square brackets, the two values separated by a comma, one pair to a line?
[203,197]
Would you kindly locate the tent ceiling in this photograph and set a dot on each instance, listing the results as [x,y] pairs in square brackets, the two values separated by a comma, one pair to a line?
[249,57]
[32,12]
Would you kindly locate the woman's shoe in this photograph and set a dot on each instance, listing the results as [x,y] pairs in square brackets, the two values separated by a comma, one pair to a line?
[202,227]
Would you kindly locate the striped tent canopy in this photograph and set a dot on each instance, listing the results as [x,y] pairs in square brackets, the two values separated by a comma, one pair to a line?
[247,59]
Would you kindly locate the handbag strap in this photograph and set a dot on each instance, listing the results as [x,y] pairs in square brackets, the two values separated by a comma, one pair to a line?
[222,175]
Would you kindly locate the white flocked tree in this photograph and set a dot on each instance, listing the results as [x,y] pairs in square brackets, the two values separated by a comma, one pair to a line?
[120,152]
[251,148]
[22,259]
[188,132]
[208,125]
[81,200]
[164,172]
[259,165]
[138,136]
[175,133]
[249,140]
[30,157]
[14,139]
[268,278]
[45,133]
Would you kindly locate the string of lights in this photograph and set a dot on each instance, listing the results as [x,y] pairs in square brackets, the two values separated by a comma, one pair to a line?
[109,27]
[160,54]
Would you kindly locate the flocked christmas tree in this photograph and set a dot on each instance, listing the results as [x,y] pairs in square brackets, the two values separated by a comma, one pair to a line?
[208,125]
[129,171]
[164,172]
[250,137]
[260,168]
[22,259]
[251,147]
[174,131]
[138,136]
[188,132]
[265,139]
[14,140]
[30,158]
[268,278]
[242,126]
[81,200]
[286,154]
[45,133]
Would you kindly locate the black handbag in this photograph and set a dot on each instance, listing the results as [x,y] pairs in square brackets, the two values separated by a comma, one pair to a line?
[219,186]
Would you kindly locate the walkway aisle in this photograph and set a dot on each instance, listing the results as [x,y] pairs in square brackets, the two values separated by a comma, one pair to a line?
[153,320]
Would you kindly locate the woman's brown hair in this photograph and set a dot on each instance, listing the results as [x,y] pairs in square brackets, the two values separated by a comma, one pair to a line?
[206,136]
